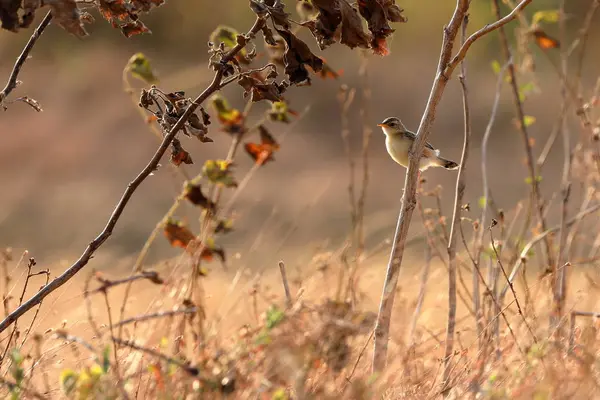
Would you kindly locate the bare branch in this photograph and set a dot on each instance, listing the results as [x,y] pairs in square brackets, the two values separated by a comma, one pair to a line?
[12,80]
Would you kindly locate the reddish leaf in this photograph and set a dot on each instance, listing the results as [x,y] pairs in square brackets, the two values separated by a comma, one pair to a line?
[263,152]
[378,13]
[135,28]
[177,234]
[66,15]
[544,41]
[179,155]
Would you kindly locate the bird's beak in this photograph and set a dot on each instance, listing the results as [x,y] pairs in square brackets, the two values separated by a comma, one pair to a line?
[382,125]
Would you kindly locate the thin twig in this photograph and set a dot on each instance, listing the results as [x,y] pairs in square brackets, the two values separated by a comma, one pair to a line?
[106,284]
[420,297]
[486,195]
[560,277]
[12,80]
[286,286]
[131,188]
[512,289]
[30,265]
[523,255]
[131,344]
[157,315]
[367,132]
[346,98]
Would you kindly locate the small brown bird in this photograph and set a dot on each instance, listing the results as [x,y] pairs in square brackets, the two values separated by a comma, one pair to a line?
[398,141]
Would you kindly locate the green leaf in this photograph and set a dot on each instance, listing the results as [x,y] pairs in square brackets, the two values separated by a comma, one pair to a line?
[528,180]
[548,16]
[274,316]
[280,395]
[496,67]
[68,380]
[529,120]
[482,202]
[106,359]
[226,35]
[525,89]
[139,66]
[219,172]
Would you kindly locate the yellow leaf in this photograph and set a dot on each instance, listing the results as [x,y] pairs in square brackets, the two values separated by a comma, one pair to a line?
[529,120]
[548,16]
[139,66]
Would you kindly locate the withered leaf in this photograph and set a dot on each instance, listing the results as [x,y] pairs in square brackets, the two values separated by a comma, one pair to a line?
[124,14]
[146,5]
[179,155]
[297,55]
[261,89]
[134,28]
[66,15]
[378,13]
[268,35]
[263,152]
[9,13]
[193,192]
[210,249]
[178,234]
[275,8]
[325,25]
[352,30]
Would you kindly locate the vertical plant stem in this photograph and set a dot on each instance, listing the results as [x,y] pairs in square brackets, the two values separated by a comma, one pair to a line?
[537,201]
[367,132]
[458,200]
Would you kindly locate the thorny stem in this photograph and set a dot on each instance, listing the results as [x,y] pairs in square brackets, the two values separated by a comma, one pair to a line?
[12,80]
[458,200]
[444,71]
[131,188]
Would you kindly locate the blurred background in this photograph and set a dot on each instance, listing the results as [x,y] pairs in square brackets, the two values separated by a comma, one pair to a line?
[63,170]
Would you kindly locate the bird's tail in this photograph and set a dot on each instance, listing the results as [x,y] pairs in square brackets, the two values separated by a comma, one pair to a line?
[448,164]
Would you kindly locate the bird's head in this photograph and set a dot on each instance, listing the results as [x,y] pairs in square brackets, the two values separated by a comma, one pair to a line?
[392,125]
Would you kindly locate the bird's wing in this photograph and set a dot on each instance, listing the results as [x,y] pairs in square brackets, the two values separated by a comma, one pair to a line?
[413,136]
